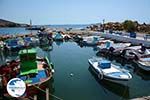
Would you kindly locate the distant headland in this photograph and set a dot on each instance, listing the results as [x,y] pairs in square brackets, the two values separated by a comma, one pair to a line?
[6,23]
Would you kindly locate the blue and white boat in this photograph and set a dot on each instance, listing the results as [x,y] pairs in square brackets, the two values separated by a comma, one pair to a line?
[14,44]
[31,41]
[58,36]
[104,69]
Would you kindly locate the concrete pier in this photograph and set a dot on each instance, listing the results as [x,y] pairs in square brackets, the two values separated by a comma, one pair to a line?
[134,41]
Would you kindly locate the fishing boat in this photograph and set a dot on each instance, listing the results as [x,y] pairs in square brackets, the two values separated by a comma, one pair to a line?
[33,70]
[58,36]
[45,38]
[31,41]
[105,70]
[109,47]
[134,53]
[66,37]
[14,44]
[91,41]
[33,27]
[144,62]
[77,38]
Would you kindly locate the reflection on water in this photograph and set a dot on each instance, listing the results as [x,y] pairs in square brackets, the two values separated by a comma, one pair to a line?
[68,57]
[128,64]
[58,43]
[50,85]
[47,48]
[118,89]
[7,56]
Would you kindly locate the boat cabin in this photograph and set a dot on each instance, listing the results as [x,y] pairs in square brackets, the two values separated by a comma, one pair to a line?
[28,64]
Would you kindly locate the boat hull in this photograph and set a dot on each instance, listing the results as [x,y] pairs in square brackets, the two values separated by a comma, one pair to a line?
[36,88]
[143,67]
[104,77]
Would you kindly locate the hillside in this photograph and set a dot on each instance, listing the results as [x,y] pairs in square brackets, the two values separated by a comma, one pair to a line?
[5,23]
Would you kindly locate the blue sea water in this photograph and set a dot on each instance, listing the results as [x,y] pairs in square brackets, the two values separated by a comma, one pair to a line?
[21,30]
[68,58]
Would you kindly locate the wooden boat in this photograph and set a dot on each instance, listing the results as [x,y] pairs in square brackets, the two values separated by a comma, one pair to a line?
[108,71]
[34,71]
[14,44]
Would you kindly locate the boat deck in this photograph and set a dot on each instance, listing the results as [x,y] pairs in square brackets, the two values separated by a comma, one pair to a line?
[39,77]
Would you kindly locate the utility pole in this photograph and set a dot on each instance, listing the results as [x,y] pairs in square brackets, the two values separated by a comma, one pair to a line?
[103,25]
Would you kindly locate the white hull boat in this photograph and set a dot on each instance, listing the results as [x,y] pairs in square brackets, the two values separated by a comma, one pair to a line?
[143,63]
[108,71]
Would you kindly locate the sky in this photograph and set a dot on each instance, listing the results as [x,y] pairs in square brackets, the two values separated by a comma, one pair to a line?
[74,11]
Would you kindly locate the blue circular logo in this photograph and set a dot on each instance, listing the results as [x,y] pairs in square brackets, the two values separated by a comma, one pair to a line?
[16,87]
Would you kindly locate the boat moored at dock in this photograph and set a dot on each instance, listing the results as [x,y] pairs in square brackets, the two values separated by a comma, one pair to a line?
[58,36]
[138,56]
[91,41]
[33,70]
[108,71]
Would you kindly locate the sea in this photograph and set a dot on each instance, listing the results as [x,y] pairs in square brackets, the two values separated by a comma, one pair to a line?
[74,80]
[21,30]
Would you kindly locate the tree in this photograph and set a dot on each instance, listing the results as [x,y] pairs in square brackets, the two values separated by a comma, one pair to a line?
[129,26]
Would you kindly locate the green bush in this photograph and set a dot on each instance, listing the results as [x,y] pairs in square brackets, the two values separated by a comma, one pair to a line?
[129,26]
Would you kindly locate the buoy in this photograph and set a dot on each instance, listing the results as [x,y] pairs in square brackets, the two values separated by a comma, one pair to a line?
[71,74]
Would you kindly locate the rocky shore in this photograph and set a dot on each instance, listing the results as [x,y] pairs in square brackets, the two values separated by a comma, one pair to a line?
[119,26]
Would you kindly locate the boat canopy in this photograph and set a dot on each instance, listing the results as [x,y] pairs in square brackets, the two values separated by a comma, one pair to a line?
[104,64]
[28,64]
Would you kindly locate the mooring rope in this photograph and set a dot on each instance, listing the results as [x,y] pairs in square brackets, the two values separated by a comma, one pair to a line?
[49,93]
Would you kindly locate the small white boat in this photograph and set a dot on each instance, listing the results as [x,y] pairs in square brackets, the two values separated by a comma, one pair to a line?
[134,53]
[110,47]
[144,63]
[91,40]
[108,71]
[110,44]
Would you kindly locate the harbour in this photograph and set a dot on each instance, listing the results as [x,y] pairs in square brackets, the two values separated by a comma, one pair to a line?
[74,50]
[74,75]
